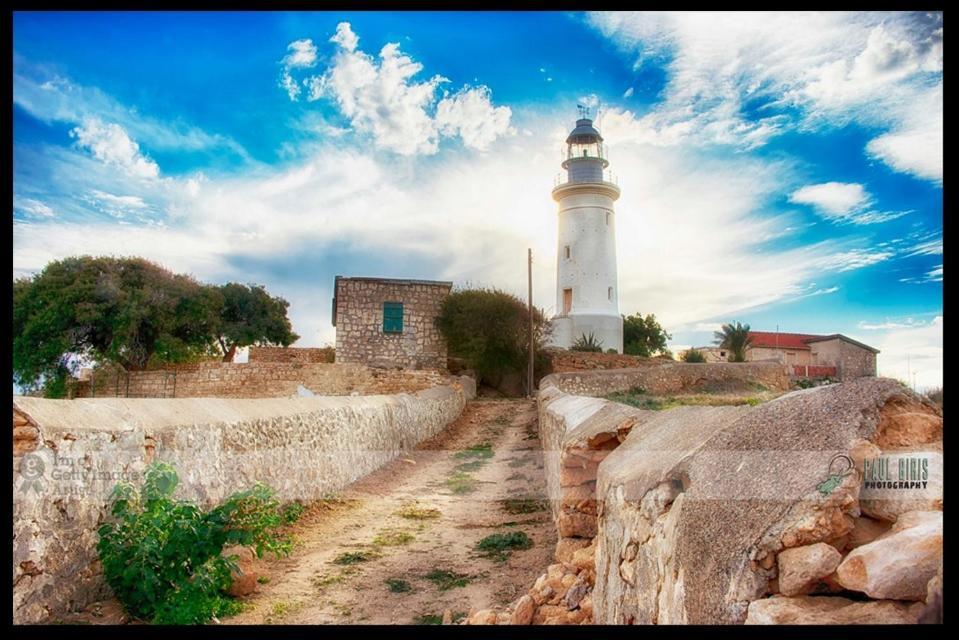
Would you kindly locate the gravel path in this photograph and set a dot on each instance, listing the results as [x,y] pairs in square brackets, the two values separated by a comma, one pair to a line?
[399,546]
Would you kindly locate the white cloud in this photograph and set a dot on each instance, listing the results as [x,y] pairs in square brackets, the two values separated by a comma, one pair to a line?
[628,93]
[733,76]
[855,259]
[890,324]
[118,206]
[913,354]
[345,37]
[52,98]
[109,143]
[843,202]
[833,198]
[36,208]
[470,114]
[302,54]
[381,98]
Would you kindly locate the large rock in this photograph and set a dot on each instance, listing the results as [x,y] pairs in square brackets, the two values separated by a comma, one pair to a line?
[899,564]
[865,530]
[932,614]
[829,610]
[523,611]
[801,568]
[695,499]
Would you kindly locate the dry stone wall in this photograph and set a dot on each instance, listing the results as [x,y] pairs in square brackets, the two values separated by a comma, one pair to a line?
[69,454]
[255,380]
[291,354]
[675,377]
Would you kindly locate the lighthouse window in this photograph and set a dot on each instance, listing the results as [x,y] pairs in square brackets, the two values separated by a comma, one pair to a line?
[607,218]
[567,301]
[566,251]
[609,293]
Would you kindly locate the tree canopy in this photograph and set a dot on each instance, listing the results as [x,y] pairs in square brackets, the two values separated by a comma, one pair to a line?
[489,329]
[643,336]
[734,337]
[132,312]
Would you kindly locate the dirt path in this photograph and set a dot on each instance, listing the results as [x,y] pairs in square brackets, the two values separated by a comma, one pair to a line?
[399,546]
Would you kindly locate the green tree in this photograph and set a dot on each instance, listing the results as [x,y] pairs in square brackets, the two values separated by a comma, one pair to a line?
[735,338]
[125,310]
[694,355]
[250,315]
[489,329]
[643,336]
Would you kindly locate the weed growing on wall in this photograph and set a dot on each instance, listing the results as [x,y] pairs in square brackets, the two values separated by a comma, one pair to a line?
[162,556]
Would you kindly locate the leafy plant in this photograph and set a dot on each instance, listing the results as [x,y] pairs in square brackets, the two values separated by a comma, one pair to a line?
[352,557]
[587,343]
[292,512]
[162,557]
[499,546]
[444,579]
[694,355]
[734,338]
[397,585]
[489,330]
[643,335]
[416,512]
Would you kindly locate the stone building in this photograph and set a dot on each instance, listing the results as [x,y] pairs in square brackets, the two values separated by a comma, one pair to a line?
[389,323]
[809,355]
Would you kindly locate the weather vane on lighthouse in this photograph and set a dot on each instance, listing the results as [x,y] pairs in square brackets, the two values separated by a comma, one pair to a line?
[583,111]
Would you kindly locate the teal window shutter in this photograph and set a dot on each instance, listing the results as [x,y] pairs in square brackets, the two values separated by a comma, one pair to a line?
[392,317]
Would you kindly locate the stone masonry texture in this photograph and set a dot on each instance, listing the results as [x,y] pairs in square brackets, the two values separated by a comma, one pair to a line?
[359,323]
[70,453]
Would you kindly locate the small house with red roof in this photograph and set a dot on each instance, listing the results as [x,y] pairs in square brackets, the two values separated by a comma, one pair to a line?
[808,355]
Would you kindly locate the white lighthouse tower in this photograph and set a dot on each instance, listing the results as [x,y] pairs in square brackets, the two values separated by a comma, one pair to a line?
[587,293]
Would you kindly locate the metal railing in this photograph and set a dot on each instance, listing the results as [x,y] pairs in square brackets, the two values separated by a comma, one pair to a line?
[563,178]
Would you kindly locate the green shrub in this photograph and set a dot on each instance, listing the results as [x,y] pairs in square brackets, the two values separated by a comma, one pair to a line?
[694,355]
[292,512]
[500,545]
[162,556]
[489,330]
[587,343]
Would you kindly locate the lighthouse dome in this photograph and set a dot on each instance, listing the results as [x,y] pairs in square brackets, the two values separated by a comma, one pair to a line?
[584,133]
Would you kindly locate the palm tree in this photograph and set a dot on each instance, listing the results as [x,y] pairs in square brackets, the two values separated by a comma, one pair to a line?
[735,339]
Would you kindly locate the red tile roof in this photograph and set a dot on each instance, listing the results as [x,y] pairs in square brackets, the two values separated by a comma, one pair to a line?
[772,340]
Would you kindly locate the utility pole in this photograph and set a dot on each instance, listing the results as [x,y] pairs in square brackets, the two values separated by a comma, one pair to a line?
[529,370]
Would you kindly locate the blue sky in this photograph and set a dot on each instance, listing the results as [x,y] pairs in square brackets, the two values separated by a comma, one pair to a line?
[776,169]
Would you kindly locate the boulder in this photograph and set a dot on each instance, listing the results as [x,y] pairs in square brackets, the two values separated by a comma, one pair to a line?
[244,579]
[585,558]
[829,610]
[566,548]
[576,593]
[932,613]
[865,530]
[899,564]
[801,568]
[523,611]
[483,617]
[740,483]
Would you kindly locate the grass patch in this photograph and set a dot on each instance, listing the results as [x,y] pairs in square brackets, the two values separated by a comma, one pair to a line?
[662,403]
[428,618]
[473,465]
[353,557]
[263,579]
[393,538]
[396,585]
[444,579]
[523,505]
[499,546]
[280,609]
[461,483]
[482,451]
[416,512]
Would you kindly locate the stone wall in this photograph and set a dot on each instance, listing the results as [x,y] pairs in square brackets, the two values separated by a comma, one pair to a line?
[303,355]
[359,323]
[562,361]
[254,380]
[69,453]
[676,377]
[733,514]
